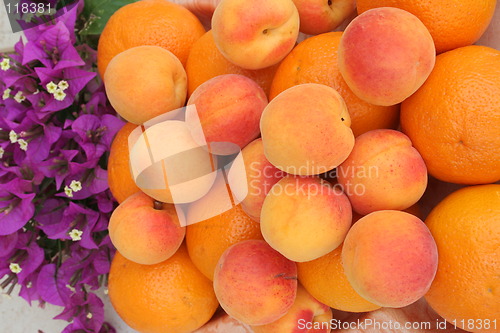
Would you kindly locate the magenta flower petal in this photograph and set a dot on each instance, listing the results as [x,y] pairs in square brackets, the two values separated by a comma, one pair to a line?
[45,48]
[74,327]
[17,205]
[7,244]
[76,78]
[105,204]
[113,124]
[67,15]
[68,314]
[79,311]
[40,145]
[29,290]
[50,218]
[102,261]
[95,307]
[34,259]
[87,240]
[99,181]
[53,48]
[51,288]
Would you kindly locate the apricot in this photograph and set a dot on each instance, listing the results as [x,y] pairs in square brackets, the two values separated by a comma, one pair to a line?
[319,16]
[383,171]
[229,108]
[261,175]
[144,231]
[144,82]
[254,283]
[306,130]
[306,312]
[390,258]
[305,218]
[385,55]
[255,34]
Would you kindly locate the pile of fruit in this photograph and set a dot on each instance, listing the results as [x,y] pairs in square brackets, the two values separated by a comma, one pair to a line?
[336,136]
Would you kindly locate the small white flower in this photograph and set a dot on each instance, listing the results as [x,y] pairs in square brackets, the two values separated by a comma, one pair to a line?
[51,87]
[68,191]
[1,152]
[70,288]
[29,285]
[36,92]
[5,64]
[106,291]
[76,235]
[6,94]
[19,97]
[63,85]
[13,136]
[59,95]
[75,185]
[15,268]
[89,315]
[23,144]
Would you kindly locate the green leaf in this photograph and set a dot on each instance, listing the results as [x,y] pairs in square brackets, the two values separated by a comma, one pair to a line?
[98,12]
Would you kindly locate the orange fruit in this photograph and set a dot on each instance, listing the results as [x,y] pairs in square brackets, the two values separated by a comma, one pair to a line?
[172,296]
[205,62]
[325,280]
[207,240]
[148,22]
[452,24]
[120,181]
[466,228]
[453,120]
[314,60]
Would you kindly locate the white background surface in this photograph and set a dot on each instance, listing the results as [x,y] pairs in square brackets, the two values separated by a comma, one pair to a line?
[7,38]
[16,316]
